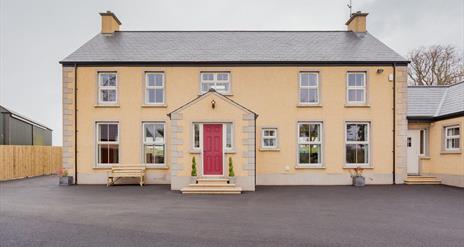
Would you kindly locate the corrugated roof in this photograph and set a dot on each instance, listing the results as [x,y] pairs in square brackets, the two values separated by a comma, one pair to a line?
[234,46]
[435,101]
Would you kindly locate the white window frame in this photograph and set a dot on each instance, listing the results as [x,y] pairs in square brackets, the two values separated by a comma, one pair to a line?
[269,137]
[348,88]
[98,143]
[154,143]
[452,137]
[200,133]
[215,81]
[320,143]
[301,87]
[423,142]
[154,87]
[366,142]
[101,88]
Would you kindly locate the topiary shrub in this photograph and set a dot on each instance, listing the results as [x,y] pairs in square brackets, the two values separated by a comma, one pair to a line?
[194,167]
[231,168]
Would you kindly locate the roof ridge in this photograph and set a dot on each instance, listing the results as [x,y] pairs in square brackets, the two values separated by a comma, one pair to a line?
[435,86]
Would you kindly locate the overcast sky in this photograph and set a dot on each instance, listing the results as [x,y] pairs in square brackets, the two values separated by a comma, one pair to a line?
[36,35]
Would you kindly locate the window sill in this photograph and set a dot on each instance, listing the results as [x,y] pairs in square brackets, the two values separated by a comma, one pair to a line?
[450,152]
[193,151]
[310,167]
[269,149]
[106,106]
[356,166]
[425,157]
[102,167]
[154,106]
[161,167]
[357,106]
[225,94]
[309,106]
[230,151]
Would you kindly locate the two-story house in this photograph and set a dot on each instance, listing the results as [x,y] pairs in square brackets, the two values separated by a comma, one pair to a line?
[289,107]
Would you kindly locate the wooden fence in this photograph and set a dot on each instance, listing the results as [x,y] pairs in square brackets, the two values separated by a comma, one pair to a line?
[28,161]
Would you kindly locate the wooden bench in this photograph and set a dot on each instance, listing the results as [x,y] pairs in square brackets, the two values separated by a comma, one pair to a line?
[126,171]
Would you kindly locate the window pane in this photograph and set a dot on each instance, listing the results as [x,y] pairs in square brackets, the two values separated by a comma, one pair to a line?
[112,132]
[108,95]
[308,79]
[315,154]
[151,95]
[422,142]
[228,135]
[206,86]
[313,95]
[304,80]
[149,133]
[304,95]
[159,154]
[315,130]
[159,133]
[304,133]
[356,95]
[303,154]
[359,79]
[108,154]
[222,77]
[351,79]
[103,132]
[269,142]
[351,153]
[155,80]
[356,132]
[149,154]
[196,135]
[159,96]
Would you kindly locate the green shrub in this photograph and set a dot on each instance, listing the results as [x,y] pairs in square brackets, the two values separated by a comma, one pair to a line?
[194,167]
[231,168]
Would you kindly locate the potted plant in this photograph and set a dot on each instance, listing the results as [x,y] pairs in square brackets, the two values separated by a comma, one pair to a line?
[231,172]
[194,171]
[65,179]
[358,179]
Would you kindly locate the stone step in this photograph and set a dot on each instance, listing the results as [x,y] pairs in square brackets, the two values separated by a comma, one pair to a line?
[422,180]
[212,185]
[212,180]
[211,190]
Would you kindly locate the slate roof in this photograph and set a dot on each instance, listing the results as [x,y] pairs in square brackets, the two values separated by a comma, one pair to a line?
[435,101]
[234,47]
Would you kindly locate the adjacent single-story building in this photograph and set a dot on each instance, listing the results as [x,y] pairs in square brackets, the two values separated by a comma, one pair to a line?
[16,129]
[435,124]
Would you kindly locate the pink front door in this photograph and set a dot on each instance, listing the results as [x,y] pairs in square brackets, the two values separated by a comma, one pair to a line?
[212,149]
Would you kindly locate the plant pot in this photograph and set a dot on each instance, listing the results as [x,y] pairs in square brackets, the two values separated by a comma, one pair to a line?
[359,181]
[232,180]
[66,180]
[193,180]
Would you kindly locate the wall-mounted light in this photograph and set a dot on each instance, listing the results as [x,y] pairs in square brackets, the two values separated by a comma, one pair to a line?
[213,104]
[379,71]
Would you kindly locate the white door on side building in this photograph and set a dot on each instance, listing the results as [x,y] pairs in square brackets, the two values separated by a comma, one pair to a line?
[413,146]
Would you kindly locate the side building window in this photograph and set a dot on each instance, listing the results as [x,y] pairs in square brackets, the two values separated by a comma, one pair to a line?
[107,88]
[218,81]
[309,88]
[107,143]
[356,88]
[269,138]
[452,138]
[310,144]
[357,144]
[153,143]
[154,88]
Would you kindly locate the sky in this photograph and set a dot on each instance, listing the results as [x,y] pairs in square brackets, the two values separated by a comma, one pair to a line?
[36,35]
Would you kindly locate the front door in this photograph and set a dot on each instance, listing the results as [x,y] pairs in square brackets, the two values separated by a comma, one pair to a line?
[413,151]
[212,149]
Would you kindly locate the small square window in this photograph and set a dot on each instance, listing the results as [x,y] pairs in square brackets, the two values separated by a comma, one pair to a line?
[269,138]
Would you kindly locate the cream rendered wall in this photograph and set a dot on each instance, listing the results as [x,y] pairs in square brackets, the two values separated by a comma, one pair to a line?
[271,92]
[448,166]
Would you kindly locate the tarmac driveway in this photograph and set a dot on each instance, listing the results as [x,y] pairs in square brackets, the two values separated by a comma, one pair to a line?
[38,212]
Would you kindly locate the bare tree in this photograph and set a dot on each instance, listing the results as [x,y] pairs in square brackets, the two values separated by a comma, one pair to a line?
[435,65]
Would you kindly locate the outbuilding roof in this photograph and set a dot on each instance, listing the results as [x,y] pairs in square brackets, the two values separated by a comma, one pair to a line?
[435,101]
[234,47]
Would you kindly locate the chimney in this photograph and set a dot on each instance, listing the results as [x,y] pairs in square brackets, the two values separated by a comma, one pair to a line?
[357,22]
[109,23]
